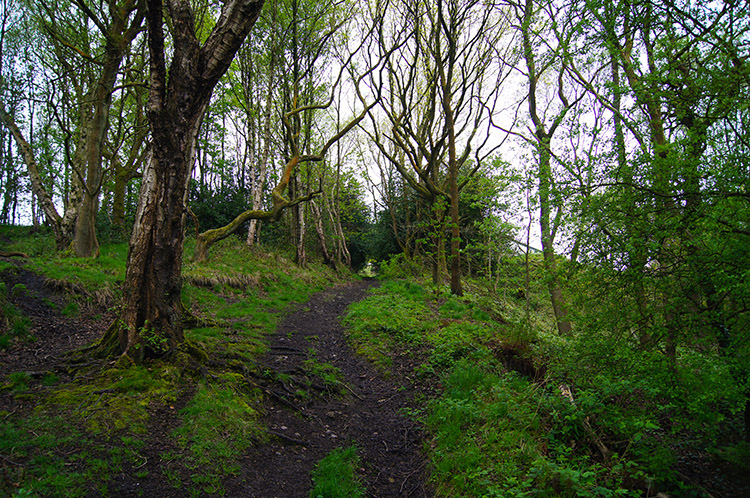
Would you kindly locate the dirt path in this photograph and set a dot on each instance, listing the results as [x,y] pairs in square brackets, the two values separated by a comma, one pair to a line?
[369,413]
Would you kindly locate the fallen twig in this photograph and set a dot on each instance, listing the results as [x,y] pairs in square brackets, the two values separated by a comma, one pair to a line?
[352,391]
[596,440]
[286,438]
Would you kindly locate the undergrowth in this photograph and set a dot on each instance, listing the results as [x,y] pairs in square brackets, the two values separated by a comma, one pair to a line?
[70,435]
[522,412]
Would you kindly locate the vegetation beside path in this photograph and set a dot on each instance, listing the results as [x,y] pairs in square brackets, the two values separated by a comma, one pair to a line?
[166,428]
[510,408]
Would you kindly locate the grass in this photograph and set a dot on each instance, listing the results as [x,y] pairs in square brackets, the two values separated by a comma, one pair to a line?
[71,437]
[13,324]
[218,425]
[329,374]
[395,313]
[92,274]
[482,414]
[335,476]
[498,425]
[78,436]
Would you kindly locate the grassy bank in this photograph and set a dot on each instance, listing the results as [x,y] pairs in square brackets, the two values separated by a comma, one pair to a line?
[73,431]
[513,410]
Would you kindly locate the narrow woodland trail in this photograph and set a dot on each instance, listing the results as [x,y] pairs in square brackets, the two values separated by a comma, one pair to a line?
[308,424]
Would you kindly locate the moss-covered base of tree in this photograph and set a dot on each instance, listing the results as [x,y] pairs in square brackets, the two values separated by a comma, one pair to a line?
[186,354]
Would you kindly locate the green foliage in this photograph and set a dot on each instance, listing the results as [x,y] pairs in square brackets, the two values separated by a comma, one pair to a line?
[19,381]
[13,324]
[25,239]
[19,290]
[215,209]
[153,340]
[496,433]
[399,267]
[95,280]
[335,475]
[53,449]
[70,309]
[501,435]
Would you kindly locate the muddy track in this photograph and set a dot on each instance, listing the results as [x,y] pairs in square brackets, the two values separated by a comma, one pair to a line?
[366,410]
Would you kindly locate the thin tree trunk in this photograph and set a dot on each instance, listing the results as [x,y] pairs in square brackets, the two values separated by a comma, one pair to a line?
[548,251]
[446,83]
[343,256]
[52,217]
[299,233]
[543,140]
[259,177]
[318,219]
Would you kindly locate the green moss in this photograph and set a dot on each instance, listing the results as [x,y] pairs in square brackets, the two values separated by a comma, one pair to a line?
[99,420]
[218,425]
[118,400]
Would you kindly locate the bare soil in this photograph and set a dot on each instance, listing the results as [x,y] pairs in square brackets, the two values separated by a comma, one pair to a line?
[370,413]
[51,334]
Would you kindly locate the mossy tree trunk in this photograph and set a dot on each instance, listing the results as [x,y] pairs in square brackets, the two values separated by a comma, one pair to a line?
[150,322]
[205,240]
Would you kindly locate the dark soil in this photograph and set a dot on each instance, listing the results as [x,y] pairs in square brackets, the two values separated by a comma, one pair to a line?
[305,417]
[51,334]
[368,413]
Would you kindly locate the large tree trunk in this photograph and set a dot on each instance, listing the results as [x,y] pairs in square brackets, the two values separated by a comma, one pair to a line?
[123,173]
[152,307]
[150,322]
[95,120]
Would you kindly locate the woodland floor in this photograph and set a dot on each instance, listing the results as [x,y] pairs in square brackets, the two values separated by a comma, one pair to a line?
[304,420]
[370,415]
[369,411]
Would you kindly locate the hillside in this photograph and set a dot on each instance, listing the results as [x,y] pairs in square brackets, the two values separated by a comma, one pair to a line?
[311,383]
